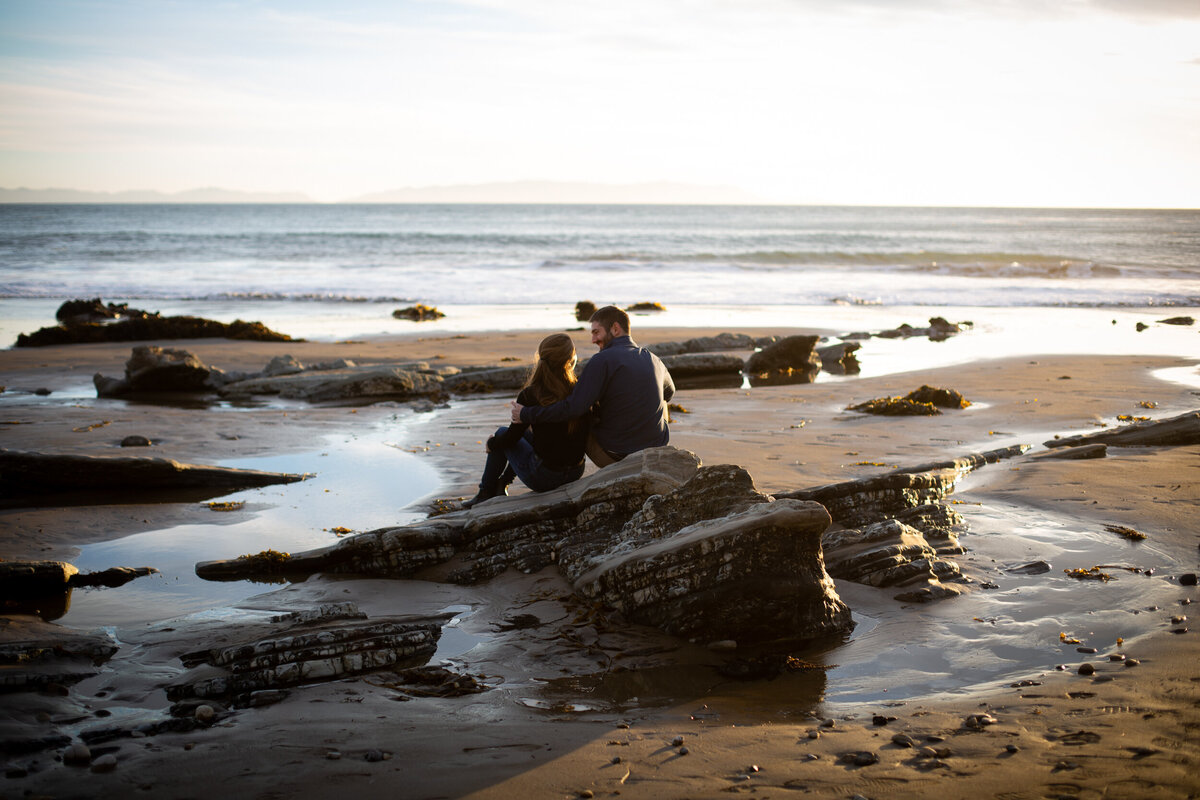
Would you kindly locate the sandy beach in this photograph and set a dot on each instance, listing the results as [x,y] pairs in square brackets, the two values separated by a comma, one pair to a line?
[579,706]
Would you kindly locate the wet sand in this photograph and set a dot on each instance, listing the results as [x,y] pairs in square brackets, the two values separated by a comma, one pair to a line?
[570,696]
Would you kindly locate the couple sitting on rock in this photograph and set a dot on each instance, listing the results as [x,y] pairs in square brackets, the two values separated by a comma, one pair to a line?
[617,407]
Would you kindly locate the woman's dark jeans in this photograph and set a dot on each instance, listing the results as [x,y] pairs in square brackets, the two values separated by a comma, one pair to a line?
[528,466]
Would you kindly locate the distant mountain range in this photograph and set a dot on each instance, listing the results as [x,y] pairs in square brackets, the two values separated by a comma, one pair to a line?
[565,192]
[507,192]
[208,195]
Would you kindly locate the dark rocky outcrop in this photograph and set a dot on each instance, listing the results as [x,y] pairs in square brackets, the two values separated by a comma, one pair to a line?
[922,402]
[24,472]
[153,369]
[646,306]
[418,313]
[584,310]
[667,542]
[693,365]
[704,344]
[840,359]
[353,383]
[1172,432]
[939,329]
[43,588]
[791,354]
[150,328]
[1178,321]
[75,312]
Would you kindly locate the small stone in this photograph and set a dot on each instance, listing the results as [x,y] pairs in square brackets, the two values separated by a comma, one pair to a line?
[753,768]
[135,441]
[943,752]
[880,719]
[615,760]
[723,646]
[374,756]
[1086,669]
[935,738]
[1142,752]
[1116,656]
[105,763]
[677,741]
[1179,630]
[683,751]
[334,755]
[1011,748]
[979,721]
[1187,579]
[827,723]
[42,392]
[926,752]
[1187,601]
[587,793]
[1178,619]
[189,746]
[904,740]
[812,757]
[814,734]
[77,753]
[1085,650]
[1132,662]
[205,714]
[623,725]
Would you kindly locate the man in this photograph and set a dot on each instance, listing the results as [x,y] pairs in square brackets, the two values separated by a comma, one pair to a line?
[626,388]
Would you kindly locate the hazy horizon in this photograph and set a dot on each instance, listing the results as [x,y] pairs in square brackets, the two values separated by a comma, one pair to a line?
[222,196]
[1086,104]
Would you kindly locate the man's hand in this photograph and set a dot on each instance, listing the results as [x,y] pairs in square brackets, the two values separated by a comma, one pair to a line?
[516,411]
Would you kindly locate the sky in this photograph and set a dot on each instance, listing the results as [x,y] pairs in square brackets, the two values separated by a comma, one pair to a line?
[863,102]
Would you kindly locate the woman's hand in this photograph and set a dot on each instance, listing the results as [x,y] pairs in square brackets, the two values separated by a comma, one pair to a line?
[516,411]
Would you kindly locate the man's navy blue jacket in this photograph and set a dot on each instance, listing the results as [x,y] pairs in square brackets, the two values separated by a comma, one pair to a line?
[627,389]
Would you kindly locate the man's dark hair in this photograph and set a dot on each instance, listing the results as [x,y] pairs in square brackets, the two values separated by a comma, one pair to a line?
[608,315]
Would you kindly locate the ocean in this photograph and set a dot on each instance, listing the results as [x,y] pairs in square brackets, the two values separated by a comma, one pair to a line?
[328,271]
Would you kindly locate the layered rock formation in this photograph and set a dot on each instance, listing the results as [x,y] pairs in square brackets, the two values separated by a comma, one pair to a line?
[893,531]
[23,472]
[696,551]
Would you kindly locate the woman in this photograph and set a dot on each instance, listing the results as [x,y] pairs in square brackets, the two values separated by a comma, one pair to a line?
[543,456]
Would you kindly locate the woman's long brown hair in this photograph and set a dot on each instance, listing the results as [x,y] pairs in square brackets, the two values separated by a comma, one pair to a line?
[553,377]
